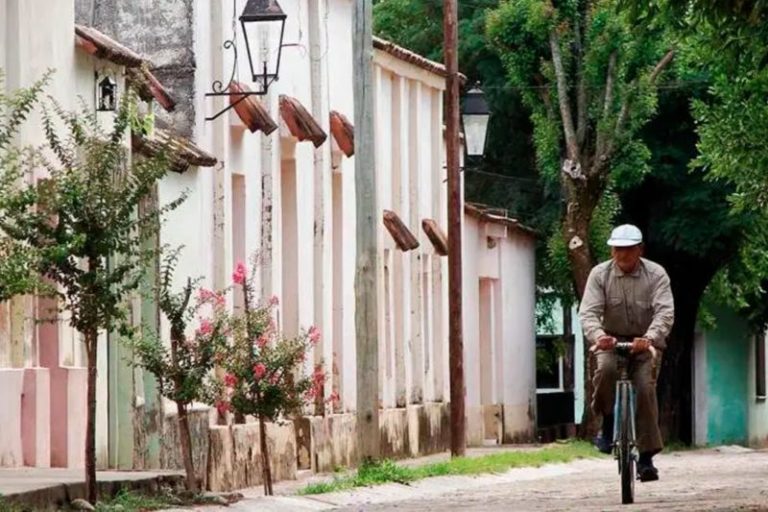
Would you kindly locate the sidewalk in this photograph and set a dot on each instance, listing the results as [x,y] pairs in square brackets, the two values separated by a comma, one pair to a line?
[46,489]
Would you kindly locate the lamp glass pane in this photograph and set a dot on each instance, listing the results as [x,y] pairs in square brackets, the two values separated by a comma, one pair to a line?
[475,130]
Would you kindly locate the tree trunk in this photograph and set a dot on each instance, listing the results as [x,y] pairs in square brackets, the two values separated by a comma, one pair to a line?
[186,447]
[581,197]
[265,456]
[91,492]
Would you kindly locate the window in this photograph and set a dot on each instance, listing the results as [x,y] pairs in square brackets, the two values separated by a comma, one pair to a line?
[550,362]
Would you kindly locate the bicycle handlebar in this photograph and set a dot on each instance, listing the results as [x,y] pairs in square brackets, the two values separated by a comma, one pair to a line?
[626,345]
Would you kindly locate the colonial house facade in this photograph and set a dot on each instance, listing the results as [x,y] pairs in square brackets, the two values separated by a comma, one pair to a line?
[271,182]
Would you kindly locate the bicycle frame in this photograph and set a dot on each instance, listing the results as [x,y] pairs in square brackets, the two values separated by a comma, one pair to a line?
[623,387]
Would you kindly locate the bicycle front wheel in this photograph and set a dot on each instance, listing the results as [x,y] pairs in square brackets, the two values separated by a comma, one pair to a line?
[626,460]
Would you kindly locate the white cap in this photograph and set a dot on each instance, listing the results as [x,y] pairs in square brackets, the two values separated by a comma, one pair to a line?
[625,235]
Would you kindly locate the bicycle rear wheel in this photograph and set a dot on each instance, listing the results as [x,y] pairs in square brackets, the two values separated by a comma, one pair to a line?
[626,461]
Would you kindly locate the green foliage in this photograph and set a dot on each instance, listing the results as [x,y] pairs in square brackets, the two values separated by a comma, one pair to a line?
[387,471]
[127,501]
[394,20]
[82,228]
[609,88]
[183,366]
[16,259]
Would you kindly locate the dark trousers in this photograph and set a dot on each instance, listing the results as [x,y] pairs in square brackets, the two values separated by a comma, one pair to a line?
[642,371]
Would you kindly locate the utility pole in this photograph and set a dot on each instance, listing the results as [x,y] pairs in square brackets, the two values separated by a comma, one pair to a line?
[366,273]
[455,327]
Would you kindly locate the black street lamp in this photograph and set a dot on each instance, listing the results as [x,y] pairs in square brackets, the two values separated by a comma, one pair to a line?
[258,15]
[475,116]
[106,100]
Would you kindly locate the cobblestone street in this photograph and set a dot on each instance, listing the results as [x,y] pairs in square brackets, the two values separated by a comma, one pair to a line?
[708,480]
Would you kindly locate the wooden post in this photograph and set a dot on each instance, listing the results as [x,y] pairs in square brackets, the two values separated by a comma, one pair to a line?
[366,274]
[455,330]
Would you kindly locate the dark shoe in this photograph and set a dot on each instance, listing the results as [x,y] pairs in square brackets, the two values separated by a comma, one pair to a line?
[604,442]
[647,472]
[604,445]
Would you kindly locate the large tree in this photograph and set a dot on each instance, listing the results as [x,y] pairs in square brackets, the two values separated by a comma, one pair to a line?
[589,79]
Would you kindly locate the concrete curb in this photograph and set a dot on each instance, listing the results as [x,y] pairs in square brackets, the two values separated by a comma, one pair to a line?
[52,496]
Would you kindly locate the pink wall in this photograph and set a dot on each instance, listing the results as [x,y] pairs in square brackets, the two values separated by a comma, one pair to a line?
[11,386]
[36,417]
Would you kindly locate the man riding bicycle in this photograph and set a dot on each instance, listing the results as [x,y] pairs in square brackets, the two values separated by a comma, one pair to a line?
[628,297]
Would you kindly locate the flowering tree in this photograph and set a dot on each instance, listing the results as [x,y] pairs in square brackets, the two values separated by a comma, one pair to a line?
[263,372]
[183,367]
[84,229]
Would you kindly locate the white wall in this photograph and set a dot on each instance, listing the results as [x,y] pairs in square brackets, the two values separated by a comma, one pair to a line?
[499,325]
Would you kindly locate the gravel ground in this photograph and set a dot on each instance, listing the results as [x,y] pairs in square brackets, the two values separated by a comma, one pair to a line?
[729,479]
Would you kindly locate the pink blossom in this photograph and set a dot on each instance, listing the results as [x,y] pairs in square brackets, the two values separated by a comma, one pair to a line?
[222,406]
[206,327]
[318,378]
[334,398]
[259,369]
[205,295]
[230,380]
[240,274]
[314,335]
[219,300]
[274,378]
[263,341]
[274,301]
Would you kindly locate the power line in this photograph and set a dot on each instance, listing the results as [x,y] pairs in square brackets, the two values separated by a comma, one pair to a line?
[502,176]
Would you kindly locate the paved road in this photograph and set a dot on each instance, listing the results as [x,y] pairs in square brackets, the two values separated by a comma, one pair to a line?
[709,480]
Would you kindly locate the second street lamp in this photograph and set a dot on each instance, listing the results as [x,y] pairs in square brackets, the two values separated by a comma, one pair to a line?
[475,115]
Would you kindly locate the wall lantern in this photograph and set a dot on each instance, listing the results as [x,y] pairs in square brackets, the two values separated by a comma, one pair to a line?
[475,115]
[106,94]
[257,20]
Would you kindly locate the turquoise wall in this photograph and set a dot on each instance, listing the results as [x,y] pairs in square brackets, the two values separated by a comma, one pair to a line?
[728,359]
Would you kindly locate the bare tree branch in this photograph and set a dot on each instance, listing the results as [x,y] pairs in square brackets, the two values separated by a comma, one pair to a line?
[581,87]
[544,95]
[664,62]
[602,156]
[571,143]
[610,78]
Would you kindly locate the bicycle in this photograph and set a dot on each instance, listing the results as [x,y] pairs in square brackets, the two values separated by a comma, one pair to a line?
[624,436]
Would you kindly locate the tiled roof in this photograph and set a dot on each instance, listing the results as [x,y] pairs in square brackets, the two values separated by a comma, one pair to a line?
[149,87]
[250,110]
[411,57]
[181,151]
[101,46]
[343,132]
[404,239]
[104,47]
[497,215]
[300,122]
[436,236]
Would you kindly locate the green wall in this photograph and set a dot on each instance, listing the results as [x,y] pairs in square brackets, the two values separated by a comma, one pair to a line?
[728,348]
